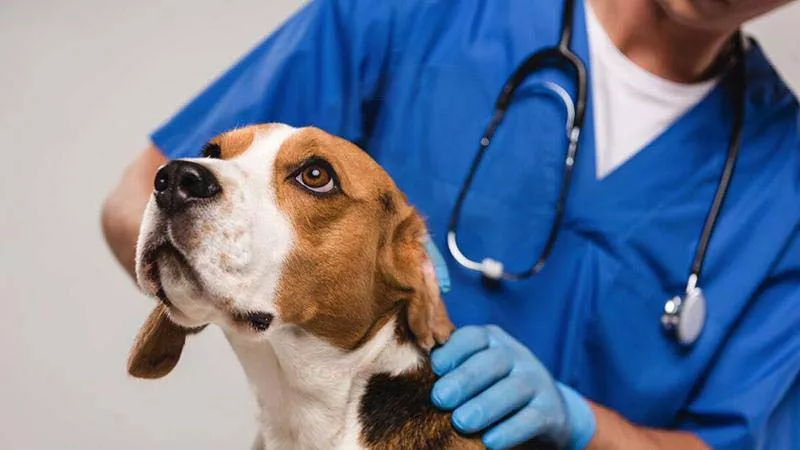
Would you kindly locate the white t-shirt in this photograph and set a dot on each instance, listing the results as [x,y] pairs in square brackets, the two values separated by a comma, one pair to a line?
[631,105]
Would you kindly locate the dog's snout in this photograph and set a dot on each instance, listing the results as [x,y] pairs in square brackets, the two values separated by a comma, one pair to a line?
[180,182]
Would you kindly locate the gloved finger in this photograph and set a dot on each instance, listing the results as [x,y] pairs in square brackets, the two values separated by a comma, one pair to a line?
[521,427]
[463,343]
[470,378]
[550,404]
[498,401]
[501,336]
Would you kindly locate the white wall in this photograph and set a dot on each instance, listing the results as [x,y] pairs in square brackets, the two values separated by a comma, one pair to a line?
[82,82]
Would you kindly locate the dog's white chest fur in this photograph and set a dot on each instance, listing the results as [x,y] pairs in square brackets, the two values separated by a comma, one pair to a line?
[309,392]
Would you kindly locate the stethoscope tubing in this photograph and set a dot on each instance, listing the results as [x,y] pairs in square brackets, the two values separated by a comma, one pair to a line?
[575,119]
[562,54]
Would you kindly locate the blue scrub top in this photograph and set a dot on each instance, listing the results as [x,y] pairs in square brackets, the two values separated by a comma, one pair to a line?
[413,83]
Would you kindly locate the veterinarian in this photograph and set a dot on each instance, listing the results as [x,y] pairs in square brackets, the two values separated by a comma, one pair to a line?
[630,225]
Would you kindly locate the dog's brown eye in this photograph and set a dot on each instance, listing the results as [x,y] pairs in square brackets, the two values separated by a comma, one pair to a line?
[317,177]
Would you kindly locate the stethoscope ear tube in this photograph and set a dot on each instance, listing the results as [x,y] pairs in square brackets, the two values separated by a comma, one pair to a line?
[488,267]
[492,269]
[739,74]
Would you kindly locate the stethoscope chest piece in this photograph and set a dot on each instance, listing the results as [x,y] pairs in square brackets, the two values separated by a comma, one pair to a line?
[685,315]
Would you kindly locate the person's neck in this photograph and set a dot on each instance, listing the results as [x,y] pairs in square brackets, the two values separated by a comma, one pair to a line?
[644,33]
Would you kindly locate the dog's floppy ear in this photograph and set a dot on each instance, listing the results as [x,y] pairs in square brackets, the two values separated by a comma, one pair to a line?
[158,346]
[413,274]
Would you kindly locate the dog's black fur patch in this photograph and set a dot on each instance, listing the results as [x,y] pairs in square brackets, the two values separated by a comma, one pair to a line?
[398,409]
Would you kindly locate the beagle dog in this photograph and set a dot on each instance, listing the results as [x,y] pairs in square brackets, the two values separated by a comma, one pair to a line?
[308,257]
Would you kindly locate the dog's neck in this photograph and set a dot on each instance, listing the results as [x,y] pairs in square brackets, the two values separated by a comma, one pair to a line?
[309,391]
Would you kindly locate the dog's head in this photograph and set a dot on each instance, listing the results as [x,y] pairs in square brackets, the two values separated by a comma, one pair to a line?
[281,227]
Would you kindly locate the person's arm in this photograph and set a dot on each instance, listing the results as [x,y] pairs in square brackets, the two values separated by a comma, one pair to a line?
[614,432]
[123,208]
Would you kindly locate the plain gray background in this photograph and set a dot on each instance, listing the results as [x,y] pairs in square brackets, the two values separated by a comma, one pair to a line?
[82,82]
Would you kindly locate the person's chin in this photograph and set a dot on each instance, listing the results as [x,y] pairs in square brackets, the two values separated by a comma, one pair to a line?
[716,15]
[695,13]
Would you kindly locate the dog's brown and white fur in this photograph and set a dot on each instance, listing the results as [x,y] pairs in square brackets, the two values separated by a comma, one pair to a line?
[325,292]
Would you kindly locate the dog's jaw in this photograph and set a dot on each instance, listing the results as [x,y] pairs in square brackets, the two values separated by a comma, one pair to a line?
[151,236]
[309,391]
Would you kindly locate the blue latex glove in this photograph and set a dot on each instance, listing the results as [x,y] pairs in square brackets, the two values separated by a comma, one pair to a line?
[497,387]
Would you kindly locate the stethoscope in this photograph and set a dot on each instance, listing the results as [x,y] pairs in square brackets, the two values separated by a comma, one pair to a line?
[684,315]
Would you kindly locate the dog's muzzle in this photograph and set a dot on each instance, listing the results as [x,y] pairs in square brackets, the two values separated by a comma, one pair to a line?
[181,183]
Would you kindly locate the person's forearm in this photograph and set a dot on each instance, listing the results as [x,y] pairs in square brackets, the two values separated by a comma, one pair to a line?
[122,210]
[614,432]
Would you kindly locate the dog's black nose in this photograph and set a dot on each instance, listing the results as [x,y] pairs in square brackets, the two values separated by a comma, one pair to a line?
[180,182]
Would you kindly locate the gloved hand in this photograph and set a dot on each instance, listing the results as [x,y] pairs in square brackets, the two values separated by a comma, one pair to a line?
[492,380]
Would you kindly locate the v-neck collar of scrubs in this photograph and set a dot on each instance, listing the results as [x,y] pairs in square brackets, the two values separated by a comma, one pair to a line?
[662,167]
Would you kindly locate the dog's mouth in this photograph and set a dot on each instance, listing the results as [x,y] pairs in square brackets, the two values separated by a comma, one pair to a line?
[167,253]
[164,253]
